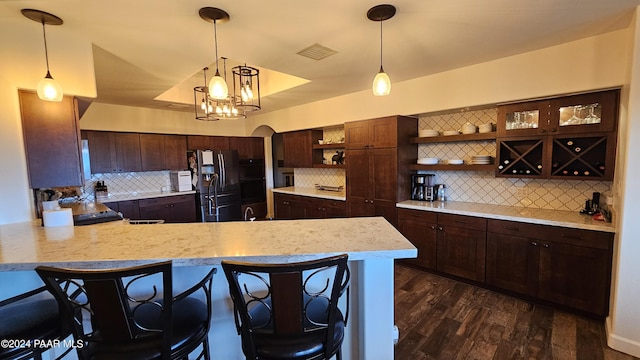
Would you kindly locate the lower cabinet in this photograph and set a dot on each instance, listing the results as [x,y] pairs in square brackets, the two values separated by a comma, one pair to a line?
[556,265]
[128,208]
[568,267]
[289,206]
[171,209]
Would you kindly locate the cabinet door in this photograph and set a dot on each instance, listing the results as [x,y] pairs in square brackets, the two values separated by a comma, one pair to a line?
[102,152]
[334,208]
[127,146]
[523,119]
[575,276]
[585,113]
[129,209]
[156,212]
[152,152]
[422,234]
[248,147]
[282,203]
[183,209]
[512,263]
[383,133]
[461,252]
[359,191]
[51,139]
[198,142]
[175,151]
[298,148]
[356,134]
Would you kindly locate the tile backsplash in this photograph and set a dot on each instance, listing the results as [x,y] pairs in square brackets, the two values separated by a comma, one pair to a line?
[482,186]
[129,183]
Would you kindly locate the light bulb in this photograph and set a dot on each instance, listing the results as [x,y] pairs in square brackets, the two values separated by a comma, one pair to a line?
[243,94]
[249,91]
[203,106]
[381,84]
[234,111]
[218,87]
[218,110]
[225,109]
[209,108]
[49,89]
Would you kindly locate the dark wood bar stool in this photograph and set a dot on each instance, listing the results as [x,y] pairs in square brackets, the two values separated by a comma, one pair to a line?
[33,315]
[131,313]
[289,311]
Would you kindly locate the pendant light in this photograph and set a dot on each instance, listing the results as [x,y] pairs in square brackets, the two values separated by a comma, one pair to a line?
[218,88]
[381,83]
[48,89]
[203,103]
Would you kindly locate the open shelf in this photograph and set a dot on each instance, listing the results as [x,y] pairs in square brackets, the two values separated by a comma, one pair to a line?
[470,167]
[327,166]
[454,138]
[328,146]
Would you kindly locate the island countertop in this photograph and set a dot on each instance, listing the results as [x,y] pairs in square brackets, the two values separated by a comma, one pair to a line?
[24,246]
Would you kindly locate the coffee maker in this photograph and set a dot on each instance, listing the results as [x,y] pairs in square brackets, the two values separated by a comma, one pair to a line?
[422,188]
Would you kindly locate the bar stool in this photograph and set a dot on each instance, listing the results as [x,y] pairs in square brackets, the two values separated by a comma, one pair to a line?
[28,316]
[289,311]
[131,313]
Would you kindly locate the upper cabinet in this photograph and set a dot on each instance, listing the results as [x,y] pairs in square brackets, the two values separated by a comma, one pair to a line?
[249,148]
[202,142]
[51,139]
[376,133]
[114,151]
[576,114]
[163,152]
[298,148]
[574,138]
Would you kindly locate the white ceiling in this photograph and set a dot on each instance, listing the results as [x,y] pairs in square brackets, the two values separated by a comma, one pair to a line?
[144,48]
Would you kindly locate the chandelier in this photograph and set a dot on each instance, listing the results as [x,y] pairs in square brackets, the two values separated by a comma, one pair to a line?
[209,109]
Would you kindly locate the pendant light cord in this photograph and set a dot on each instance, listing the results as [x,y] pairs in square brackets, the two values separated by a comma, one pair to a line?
[46,51]
[215,39]
[381,43]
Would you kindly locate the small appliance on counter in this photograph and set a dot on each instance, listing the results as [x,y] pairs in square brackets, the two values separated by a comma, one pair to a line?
[101,191]
[592,206]
[422,188]
[180,180]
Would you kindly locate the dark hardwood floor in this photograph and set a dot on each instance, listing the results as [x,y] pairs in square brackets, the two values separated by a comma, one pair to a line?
[440,318]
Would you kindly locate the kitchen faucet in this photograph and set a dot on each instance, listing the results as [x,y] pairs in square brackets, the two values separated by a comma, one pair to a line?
[249,208]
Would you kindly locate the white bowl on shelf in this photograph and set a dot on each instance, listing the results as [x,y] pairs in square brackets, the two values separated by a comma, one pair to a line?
[450,132]
[428,133]
[485,128]
[455,162]
[427,161]
[320,142]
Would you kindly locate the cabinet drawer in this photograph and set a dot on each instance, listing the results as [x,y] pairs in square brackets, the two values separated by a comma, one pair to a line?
[578,237]
[417,215]
[165,200]
[334,204]
[467,222]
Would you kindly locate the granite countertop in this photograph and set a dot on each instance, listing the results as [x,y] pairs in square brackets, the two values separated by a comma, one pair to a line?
[312,192]
[143,195]
[562,218]
[23,246]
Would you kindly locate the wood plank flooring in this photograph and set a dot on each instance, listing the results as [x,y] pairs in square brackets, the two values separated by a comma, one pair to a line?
[440,318]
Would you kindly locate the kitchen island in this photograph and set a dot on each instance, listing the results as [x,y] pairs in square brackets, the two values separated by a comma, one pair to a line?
[371,243]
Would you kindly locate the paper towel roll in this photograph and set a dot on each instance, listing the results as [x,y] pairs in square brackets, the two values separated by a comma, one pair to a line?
[59,217]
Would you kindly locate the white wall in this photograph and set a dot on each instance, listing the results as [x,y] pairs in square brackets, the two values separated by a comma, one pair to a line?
[23,65]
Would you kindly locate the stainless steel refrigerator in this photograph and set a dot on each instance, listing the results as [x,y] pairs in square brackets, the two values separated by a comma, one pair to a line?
[214,176]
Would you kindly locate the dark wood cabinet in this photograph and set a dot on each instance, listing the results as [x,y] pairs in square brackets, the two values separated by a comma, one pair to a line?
[378,155]
[163,152]
[171,209]
[288,206]
[420,228]
[249,148]
[202,142]
[570,137]
[128,208]
[462,246]
[52,141]
[298,148]
[114,151]
[568,267]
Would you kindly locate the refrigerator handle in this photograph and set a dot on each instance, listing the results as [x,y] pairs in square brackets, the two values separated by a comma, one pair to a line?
[223,171]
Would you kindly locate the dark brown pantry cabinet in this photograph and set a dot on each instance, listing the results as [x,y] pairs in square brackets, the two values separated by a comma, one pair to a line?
[568,267]
[377,157]
[52,141]
[298,148]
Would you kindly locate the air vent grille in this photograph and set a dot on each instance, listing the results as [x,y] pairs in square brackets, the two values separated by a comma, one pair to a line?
[317,52]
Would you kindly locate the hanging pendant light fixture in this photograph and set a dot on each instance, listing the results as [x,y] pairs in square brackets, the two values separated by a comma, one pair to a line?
[228,108]
[48,88]
[218,88]
[203,103]
[246,87]
[381,83]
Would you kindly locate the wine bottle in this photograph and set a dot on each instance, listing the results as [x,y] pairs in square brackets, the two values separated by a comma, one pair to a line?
[555,164]
[506,161]
[576,172]
[514,171]
[600,166]
[586,172]
[577,149]
[565,172]
[540,166]
[500,167]
[527,171]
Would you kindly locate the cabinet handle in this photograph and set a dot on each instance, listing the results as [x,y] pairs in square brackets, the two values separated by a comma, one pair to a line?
[511,228]
[545,245]
[371,201]
[440,228]
[542,131]
[534,243]
[554,129]
[366,201]
[572,237]
[433,227]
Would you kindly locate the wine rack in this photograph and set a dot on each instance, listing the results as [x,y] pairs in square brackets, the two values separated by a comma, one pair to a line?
[581,157]
[521,158]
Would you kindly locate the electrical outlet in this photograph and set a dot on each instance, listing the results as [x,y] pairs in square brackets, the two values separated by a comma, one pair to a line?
[522,192]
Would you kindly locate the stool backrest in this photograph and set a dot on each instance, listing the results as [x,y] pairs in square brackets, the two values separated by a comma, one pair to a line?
[101,305]
[294,299]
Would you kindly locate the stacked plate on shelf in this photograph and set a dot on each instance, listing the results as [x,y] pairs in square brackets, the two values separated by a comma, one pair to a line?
[481,159]
[450,132]
[455,162]
[428,133]
[427,161]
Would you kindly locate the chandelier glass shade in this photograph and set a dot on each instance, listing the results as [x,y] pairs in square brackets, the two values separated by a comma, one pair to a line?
[47,89]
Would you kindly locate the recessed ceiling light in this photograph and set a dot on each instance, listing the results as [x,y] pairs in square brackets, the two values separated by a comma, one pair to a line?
[317,52]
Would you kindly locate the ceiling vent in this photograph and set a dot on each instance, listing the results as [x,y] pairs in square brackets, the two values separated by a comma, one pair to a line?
[317,52]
